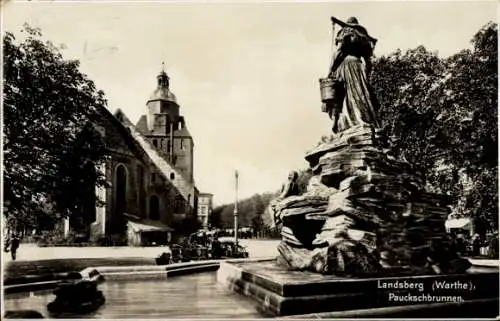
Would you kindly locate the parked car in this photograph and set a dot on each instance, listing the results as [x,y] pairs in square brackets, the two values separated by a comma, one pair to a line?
[197,247]
[232,250]
[188,252]
[177,253]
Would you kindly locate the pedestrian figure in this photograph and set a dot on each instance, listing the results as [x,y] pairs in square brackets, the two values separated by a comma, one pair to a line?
[14,245]
[6,245]
[216,249]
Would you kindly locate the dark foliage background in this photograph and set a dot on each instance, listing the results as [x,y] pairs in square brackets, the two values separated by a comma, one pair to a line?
[443,116]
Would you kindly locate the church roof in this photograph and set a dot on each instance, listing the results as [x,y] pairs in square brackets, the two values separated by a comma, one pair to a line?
[142,127]
[181,183]
[183,132]
[163,93]
[142,124]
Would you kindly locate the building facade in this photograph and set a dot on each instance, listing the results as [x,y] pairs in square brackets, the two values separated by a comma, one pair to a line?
[205,206]
[149,169]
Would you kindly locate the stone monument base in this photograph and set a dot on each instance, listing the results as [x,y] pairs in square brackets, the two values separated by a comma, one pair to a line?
[280,292]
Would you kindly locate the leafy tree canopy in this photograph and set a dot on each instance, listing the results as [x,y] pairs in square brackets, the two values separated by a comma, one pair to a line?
[50,145]
[442,114]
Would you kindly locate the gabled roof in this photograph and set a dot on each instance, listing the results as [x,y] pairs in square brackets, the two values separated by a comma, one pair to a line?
[141,145]
[129,141]
[138,224]
[142,127]
[121,117]
[183,132]
[142,124]
[180,182]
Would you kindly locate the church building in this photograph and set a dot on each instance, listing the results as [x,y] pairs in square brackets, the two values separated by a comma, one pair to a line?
[151,195]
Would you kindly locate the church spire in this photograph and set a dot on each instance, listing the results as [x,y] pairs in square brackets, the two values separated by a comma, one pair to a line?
[163,79]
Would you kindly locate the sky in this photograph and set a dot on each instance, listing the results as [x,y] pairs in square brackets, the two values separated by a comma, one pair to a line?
[245,74]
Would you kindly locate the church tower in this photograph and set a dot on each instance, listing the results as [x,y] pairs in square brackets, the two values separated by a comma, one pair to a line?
[166,129]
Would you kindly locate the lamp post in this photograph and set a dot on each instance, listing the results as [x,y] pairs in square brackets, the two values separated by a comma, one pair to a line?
[236,210]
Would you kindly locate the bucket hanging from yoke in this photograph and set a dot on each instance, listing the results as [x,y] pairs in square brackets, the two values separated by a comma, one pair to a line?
[329,89]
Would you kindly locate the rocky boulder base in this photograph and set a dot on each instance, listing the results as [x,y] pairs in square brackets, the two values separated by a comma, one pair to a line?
[365,213]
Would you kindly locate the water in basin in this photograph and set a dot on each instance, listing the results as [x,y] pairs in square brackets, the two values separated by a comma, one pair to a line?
[190,296]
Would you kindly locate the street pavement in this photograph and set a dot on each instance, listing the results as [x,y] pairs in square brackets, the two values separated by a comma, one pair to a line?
[32,259]
[31,252]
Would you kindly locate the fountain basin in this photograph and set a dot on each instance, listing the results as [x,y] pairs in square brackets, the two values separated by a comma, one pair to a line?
[182,290]
[283,293]
[189,296]
[151,292]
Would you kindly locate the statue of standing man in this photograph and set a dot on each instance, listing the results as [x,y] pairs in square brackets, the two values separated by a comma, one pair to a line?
[354,102]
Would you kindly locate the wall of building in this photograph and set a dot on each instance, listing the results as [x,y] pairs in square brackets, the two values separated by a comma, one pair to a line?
[185,187]
[178,150]
[204,208]
[183,159]
[161,107]
[143,180]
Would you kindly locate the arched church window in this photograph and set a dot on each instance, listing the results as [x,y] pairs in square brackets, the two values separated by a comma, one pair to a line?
[182,144]
[154,208]
[172,176]
[155,143]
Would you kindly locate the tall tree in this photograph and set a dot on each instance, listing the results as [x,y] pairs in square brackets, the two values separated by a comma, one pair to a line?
[442,114]
[405,85]
[48,104]
[471,100]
